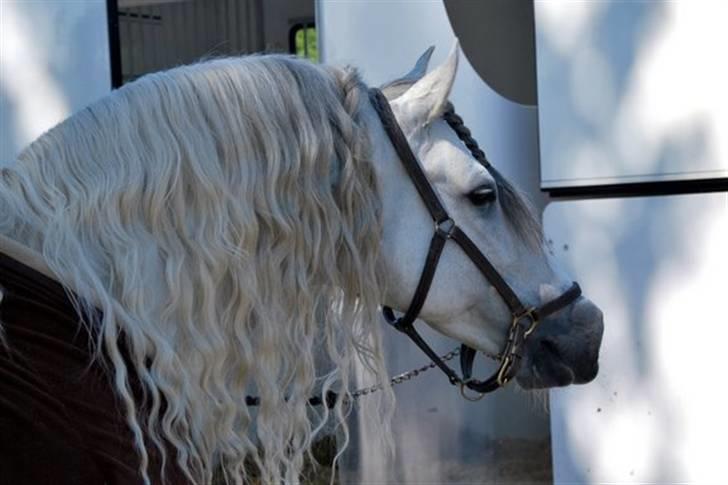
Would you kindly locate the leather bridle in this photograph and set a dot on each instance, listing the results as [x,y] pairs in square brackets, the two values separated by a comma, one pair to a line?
[524,319]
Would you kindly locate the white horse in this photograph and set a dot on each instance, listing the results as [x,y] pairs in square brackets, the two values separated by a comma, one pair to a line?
[222,224]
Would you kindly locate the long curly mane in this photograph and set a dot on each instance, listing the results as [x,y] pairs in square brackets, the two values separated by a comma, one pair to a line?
[225,219]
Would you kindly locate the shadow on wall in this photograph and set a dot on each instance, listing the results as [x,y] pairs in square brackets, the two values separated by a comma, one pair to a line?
[647,350]
[659,334]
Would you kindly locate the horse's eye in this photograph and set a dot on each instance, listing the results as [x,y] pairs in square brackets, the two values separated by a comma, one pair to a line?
[482,195]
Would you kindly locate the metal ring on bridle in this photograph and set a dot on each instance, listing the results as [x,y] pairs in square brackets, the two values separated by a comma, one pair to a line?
[463,386]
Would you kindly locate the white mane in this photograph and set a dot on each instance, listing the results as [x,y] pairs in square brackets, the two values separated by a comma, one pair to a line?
[225,218]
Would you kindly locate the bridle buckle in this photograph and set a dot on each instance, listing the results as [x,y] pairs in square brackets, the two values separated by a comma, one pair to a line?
[516,336]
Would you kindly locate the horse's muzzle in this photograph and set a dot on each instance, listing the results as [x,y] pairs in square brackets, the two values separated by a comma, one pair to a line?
[564,349]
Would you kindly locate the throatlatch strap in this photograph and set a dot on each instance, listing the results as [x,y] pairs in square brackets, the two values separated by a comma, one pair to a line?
[420,342]
[423,287]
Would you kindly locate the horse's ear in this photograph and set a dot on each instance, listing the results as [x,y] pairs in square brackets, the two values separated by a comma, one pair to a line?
[396,88]
[427,98]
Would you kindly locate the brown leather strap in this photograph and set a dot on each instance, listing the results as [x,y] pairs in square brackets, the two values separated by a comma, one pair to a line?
[489,271]
[411,165]
[557,304]
[467,354]
[423,287]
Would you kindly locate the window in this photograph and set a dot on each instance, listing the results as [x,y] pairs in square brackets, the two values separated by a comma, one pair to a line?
[303,41]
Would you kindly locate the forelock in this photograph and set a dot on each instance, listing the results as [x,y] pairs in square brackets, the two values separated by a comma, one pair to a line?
[518,210]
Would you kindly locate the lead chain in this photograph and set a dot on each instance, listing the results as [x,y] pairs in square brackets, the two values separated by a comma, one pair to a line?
[398,379]
[405,376]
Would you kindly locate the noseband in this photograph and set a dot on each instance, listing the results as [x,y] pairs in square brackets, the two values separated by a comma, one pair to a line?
[524,319]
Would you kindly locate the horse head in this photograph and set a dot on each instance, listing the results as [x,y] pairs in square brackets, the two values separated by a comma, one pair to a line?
[461,303]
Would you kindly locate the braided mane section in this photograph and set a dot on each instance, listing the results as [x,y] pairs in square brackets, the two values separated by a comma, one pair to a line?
[458,125]
[518,209]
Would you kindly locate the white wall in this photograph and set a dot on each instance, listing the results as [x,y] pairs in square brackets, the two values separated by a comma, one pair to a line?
[658,268]
[54,60]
